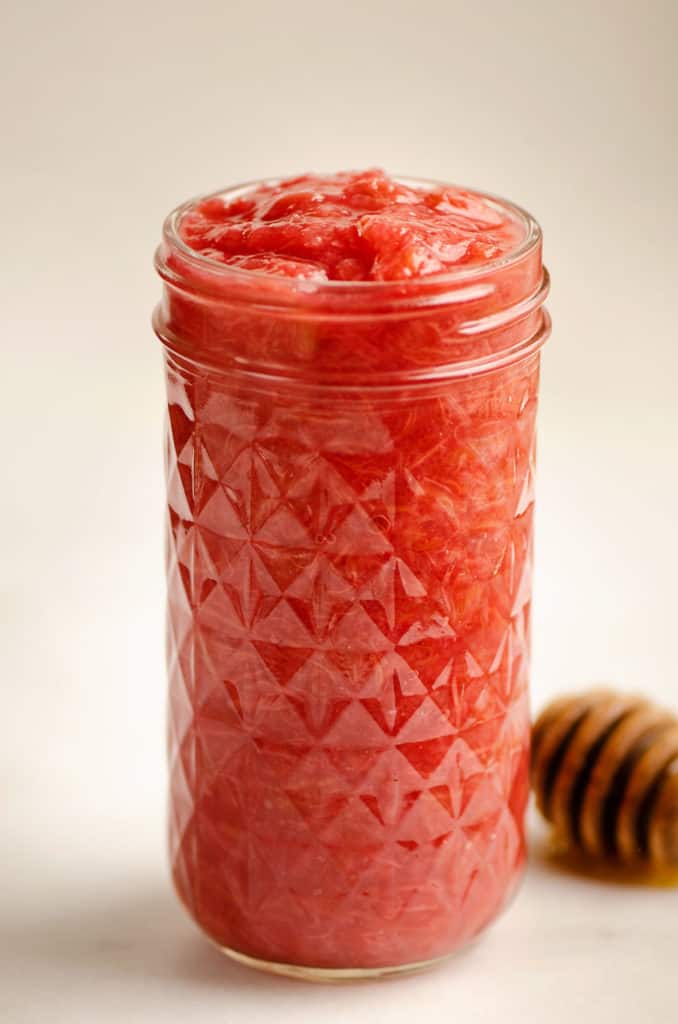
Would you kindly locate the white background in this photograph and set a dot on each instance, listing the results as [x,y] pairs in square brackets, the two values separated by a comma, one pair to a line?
[111,115]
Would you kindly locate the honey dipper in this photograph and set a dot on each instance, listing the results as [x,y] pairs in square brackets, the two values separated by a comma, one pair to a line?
[605,774]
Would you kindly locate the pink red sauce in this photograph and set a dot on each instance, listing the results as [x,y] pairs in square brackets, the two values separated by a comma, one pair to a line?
[349,579]
[351,227]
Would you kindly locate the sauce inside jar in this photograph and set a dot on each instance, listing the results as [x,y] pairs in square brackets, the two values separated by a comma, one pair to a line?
[350,551]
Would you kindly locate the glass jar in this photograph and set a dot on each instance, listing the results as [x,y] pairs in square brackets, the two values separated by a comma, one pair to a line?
[350,472]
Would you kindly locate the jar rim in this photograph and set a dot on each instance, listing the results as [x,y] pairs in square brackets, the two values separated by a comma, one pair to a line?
[449,286]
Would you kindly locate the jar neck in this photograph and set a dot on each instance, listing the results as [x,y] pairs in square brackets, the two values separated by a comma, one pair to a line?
[472,320]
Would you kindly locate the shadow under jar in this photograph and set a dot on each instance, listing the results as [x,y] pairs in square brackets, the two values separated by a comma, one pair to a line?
[350,471]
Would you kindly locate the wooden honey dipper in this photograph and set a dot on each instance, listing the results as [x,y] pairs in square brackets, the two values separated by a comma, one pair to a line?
[605,774]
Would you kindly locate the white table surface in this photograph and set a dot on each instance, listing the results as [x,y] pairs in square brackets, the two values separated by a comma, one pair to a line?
[105,941]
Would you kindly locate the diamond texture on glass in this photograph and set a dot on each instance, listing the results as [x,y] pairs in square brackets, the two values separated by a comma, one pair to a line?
[348,639]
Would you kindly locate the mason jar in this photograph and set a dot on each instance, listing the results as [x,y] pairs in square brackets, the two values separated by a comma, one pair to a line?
[350,491]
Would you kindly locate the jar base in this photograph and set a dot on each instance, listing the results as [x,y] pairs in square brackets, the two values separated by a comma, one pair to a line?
[331,974]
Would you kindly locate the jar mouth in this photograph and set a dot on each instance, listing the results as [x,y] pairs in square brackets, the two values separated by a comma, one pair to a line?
[175,260]
[470,319]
